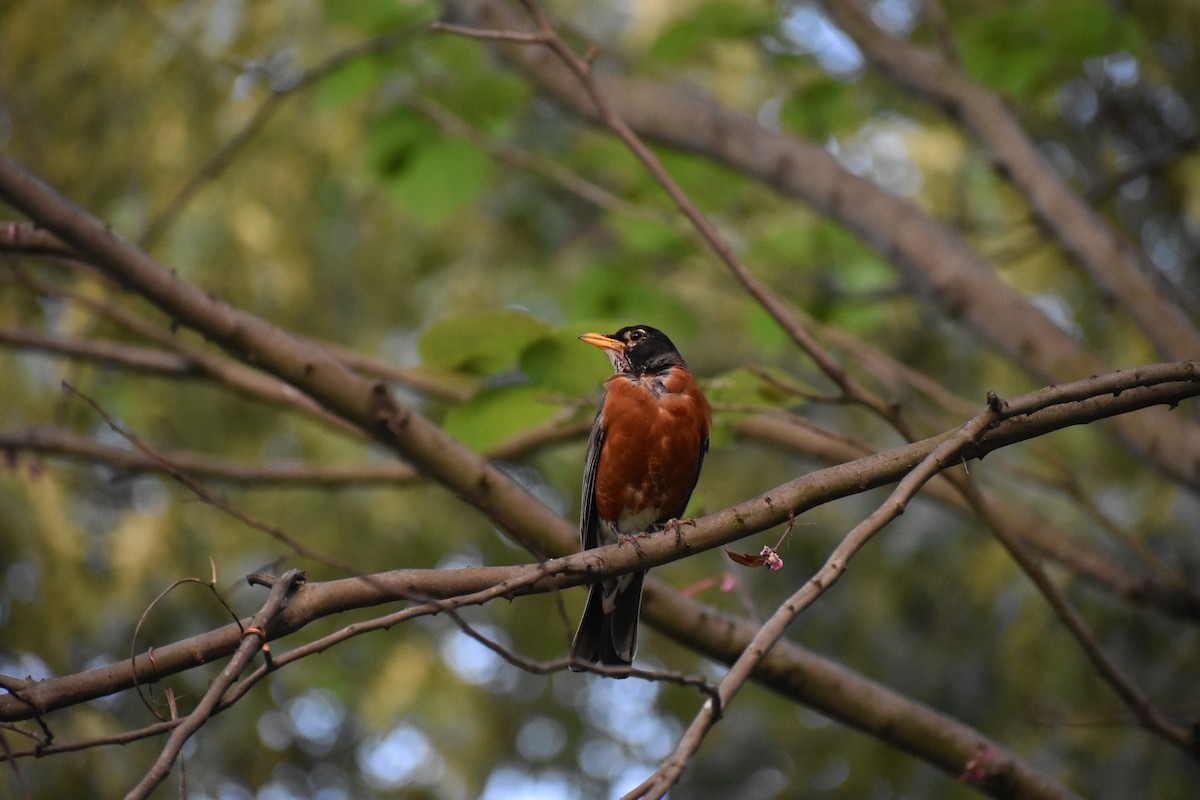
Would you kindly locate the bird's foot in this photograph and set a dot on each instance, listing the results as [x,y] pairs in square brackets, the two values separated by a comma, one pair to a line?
[677,526]
[632,538]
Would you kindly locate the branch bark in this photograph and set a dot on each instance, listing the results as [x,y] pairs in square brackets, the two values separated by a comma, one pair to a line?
[1104,573]
[1112,262]
[842,694]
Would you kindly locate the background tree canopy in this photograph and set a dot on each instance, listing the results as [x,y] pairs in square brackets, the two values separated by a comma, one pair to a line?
[355,251]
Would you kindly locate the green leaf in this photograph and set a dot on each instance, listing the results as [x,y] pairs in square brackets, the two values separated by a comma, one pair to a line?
[393,139]
[743,386]
[494,415]
[561,364]
[680,40]
[821,108]
[491,100]
[354,79]
[768,337]
[716,20]
[782,242]
[480,343]
[1024,49]
[649,238]
[379,16]
[1106,29]
[441,179]
[628,294]
[862,320]
[706,181]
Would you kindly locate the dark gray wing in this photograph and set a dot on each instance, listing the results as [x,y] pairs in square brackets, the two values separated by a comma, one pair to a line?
[589,522]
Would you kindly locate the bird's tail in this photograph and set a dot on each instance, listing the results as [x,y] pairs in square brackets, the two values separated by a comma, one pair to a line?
[607,633]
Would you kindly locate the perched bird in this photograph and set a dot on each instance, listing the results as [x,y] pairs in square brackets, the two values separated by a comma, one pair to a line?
[643,459]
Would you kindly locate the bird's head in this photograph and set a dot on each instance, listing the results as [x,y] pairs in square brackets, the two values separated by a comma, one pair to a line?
[637,349]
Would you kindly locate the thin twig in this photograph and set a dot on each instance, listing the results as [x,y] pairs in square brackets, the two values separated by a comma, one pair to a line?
[203,494]
[54,441]
[129,357]
[24,237]
[242,379]
[558,665]
[553,171]
[780,311]
[1143,709]
[253,639]
[18,778]
[947,452]
[796,433]
[192,361]
[212,586]
[219,161]
[521,37]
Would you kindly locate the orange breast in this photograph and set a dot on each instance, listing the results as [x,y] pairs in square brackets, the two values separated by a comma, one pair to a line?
[655,431]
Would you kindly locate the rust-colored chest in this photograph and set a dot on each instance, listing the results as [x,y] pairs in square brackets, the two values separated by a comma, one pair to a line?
[655,434]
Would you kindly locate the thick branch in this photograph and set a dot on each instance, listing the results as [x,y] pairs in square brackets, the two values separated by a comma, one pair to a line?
[1112,394]
[1095,568]
[1109,260]
[59,442]
[837,692]
[363,403]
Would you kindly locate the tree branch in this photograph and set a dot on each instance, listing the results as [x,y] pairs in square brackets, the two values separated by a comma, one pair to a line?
[1029,416]
[59,442]
[1145,711]
[1103,573]
[842,694]
[949,450]
[1111,262]
[131,357]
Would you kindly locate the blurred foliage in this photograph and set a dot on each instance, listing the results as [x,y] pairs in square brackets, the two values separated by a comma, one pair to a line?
[352,217]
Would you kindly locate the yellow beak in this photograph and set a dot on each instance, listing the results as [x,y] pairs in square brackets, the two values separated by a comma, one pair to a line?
[603,342]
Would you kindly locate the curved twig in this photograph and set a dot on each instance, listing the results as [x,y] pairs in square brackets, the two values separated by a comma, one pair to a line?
[253,638]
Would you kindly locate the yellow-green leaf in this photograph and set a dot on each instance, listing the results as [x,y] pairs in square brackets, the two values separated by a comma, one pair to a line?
[481,343]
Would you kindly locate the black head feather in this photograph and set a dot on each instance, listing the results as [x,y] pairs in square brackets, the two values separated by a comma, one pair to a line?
[647,349]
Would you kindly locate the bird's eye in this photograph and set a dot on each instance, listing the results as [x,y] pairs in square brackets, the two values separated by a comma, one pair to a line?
[635,336]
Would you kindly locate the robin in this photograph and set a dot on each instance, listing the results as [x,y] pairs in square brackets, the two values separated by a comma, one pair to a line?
[643,459]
